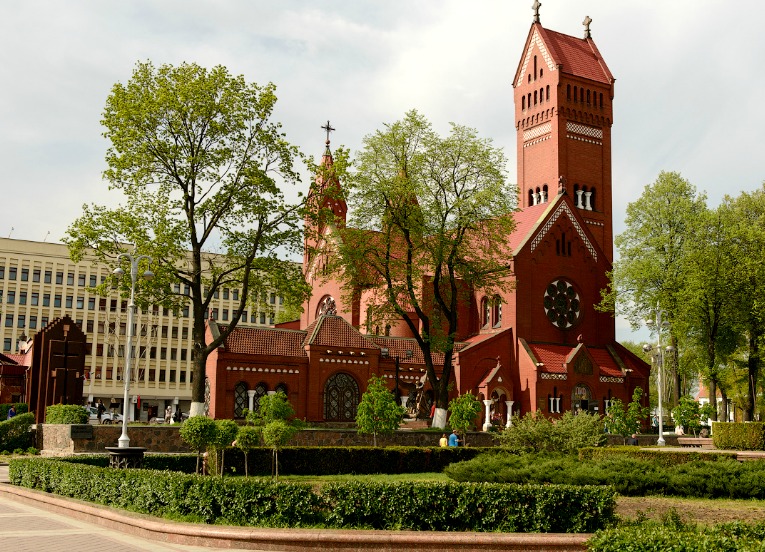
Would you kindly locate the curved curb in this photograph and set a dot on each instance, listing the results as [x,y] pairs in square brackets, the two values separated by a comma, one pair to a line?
[149,527]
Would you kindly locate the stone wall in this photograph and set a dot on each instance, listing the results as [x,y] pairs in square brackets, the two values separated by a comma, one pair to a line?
[57,439]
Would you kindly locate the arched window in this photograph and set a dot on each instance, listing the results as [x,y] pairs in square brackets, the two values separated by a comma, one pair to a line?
[581,398]
[523,102]
[281,387]
[535,67]
[485,308]
[601,99]
[240,399]
[531,198]
[326,306]
[588,97]
[341,398]
[547,93]
[261,390]
[535,97]
[529,77]
[541,72]
[528,101]
[568,92]
[541,95]
[496,311]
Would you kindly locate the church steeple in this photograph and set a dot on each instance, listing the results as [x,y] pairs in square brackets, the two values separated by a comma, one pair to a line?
[563,106]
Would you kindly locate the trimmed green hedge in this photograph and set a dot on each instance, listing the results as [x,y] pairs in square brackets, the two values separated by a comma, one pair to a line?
[739,436]
[350,460]
[721,478]
[653,536]
[660,457]
[15,434]
[21,408]
[258,502]
[66,414]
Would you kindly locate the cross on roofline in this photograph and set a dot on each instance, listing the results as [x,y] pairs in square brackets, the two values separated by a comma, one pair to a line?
[535,6]
[586,23]
[328,128]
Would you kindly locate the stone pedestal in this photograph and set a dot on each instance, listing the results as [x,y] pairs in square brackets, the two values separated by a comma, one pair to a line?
[126,457]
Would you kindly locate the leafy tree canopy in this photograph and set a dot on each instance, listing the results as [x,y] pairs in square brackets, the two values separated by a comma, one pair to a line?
[200,164]
[378,412]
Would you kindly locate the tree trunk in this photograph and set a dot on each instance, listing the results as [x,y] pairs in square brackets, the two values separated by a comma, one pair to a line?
[713,397]
[753,365]
[724,405]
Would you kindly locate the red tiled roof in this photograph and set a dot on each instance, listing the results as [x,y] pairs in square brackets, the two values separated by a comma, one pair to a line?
[266,341]
[11,359]
[576,56]
[554,356]
[526,221]
[335,331]
[607,363]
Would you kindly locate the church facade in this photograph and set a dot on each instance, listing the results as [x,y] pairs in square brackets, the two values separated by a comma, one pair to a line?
[540,346]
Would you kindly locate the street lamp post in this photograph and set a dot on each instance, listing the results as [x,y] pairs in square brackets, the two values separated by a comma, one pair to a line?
[659,324]
[124,440]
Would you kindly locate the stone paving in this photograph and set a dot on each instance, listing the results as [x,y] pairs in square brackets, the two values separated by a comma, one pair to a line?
[27,528]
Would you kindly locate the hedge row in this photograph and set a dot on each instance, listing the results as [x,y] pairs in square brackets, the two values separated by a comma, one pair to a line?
[66,414]
[5,407]
[739,436]
[258,502]
[350,460]
[722,478]
[659,457]
[652,536]
[15,434]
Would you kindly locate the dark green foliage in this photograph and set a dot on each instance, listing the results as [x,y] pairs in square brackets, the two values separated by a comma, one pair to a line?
[739,436]
[630,476]
[258,502]
[15,434]
[5,407]
[673,535]
[659,457]
[199,432]
[535,433]
[66,414]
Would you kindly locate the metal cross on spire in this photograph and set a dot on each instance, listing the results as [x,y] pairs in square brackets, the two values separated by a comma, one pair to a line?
[586,23]
[535,6]
[328,128]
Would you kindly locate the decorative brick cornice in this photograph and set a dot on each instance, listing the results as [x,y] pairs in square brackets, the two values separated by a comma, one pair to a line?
[563,208]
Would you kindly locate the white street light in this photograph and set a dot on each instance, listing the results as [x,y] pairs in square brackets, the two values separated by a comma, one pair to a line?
[124,440]
[659,325]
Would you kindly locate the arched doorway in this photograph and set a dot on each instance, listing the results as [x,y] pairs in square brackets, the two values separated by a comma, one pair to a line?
[581,399]
[341,398]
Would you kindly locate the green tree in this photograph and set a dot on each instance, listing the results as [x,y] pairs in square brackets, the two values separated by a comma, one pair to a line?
[274,420]
[430,217]
[247,439]
[747,284]
[378,412]
[654,250]
[463,411]
[689,414]
[625,421]
[199,432]
[200,163]
[226,432]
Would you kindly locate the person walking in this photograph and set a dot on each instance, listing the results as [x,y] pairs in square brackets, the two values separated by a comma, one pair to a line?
[11,412]
[454,439]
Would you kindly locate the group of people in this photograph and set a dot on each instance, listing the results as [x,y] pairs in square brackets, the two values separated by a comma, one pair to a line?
[452,441]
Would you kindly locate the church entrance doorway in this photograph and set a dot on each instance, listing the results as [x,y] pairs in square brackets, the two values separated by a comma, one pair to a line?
[341,398]
[581,399]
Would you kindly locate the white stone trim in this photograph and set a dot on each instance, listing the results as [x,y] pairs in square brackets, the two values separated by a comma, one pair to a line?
[563,208]
[535,39]
[537,131]
[549,376]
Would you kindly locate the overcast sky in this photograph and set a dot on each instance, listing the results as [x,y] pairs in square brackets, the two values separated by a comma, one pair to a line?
[689,81]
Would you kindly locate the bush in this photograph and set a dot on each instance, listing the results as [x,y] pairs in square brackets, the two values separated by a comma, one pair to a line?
[15,433]
[630,476]
[247,501]
[66,414]
[659,457]
[535,433]
[672,535]
[739,436]
[199,432]
[21,408]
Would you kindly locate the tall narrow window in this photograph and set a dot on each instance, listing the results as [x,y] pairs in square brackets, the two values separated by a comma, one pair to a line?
[535,67]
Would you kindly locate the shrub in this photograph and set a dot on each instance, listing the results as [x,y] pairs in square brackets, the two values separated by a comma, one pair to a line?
[463,411]
[673,535]
[246,501]
[15,433]
[739,436]
[21,408]
[199,432]
[378,412]
[536,433]
[66,414]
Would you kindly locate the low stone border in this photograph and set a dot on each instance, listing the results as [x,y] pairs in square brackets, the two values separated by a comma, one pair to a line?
[697,442]
[292,540]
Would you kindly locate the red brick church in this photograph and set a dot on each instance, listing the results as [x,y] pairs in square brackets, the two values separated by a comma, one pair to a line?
[541,346]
